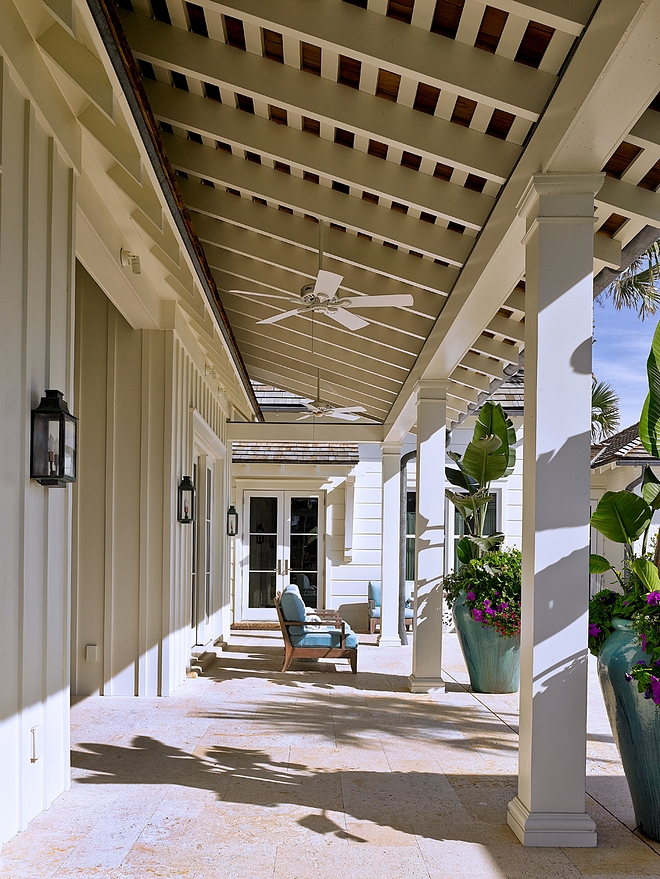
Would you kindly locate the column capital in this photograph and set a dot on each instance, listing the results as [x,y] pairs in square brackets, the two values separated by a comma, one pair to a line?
[390,448]
[582,183]
[432,388]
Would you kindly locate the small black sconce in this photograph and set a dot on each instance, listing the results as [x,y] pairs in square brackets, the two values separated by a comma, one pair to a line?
[54,436]
[232,521]
[185,512]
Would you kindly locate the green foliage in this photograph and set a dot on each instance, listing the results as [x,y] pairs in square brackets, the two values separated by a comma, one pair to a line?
[604,411]
[636,287]
[621,516]
[489,455]
[492,584]
[649,423]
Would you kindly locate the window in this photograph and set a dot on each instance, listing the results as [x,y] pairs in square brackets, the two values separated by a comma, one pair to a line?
[489,528]
[411,515]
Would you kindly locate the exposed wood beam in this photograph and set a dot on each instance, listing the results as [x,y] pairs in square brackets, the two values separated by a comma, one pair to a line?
[431,137]
[445,64]
[471,379]
[646,131]
[214,209]
[114,138]
[334,207]
[79,65]
[505,353]
[624,198]
[507,327]
[492,368]
[320,156]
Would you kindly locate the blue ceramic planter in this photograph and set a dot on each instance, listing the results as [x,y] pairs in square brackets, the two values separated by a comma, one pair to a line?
[493,661]
[635,723]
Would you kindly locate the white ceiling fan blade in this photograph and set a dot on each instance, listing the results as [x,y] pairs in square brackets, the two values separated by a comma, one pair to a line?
[306,416]
[348,320]
[277,317]
[263,295]
[327,284]
[396,300]
[347,416]
[350,409]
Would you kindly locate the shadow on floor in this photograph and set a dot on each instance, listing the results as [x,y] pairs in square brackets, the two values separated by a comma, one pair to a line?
[426,803]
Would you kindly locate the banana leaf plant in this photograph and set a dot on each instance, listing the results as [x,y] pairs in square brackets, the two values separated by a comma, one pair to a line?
[490,455]
[624,517]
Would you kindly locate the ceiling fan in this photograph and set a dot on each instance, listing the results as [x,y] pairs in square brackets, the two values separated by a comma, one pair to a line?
[322,297]
[318,407]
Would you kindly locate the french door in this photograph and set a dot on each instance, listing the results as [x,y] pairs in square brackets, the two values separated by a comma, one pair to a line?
[282,544]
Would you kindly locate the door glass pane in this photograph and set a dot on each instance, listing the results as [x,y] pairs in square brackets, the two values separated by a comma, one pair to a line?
[263,552]
[263,515]
[262,562]
[304,547]
[262,589]
[304,515]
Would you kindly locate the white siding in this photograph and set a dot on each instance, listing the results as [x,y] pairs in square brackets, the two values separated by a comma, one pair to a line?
[37,190]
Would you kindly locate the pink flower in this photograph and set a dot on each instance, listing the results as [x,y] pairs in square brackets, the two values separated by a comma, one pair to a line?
[478,616]
[470,596]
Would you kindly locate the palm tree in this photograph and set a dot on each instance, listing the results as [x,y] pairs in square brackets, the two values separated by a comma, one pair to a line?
[604,411]
[636,286]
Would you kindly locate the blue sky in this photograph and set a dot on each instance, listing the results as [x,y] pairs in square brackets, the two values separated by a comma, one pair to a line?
[619,356]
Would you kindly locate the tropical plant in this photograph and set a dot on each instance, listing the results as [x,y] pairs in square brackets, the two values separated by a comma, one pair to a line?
[604,411]
[636,287]
[492,586]
[490,455]
[625,518]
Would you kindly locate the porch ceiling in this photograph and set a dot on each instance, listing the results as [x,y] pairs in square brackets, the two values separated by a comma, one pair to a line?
[409,129]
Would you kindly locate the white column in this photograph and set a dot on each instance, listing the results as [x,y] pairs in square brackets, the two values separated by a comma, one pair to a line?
[429,537]
[550,807]
[389,578]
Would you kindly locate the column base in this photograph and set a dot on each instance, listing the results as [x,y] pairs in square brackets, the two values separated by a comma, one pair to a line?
[389,641]
[417,684]
[557,829]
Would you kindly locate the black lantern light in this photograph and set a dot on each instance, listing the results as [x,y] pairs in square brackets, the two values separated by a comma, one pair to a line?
[232,521]
[185,511]
[54,434]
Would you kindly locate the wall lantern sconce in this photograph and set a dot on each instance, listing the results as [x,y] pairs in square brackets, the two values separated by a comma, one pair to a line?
[185,510]
[232,521]
[54,436]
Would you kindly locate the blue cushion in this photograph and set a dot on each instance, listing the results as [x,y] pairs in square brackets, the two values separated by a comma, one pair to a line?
[293,608]
[373,592]
[374,613]
[324,637]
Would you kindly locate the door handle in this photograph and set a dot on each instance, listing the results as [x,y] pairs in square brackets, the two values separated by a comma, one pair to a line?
[286,568]
[279,566]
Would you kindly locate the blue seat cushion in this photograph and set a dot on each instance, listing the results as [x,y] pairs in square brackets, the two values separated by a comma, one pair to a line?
[324,637]
[293,609]
[374,613]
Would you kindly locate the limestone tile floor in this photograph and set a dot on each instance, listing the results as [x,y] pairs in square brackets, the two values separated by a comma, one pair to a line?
[314,774]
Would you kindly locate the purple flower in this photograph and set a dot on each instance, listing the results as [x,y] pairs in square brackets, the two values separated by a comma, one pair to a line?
[642,639]
[655,689]
[594,631]
[647,693]
[628,676]
[478,616]
[653,598]
[470,596]
[640,662]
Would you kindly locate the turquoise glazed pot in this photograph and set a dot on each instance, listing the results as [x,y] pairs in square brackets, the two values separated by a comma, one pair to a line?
[493,661]
[635,723]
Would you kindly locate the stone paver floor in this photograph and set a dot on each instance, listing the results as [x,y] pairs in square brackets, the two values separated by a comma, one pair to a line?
[314,774]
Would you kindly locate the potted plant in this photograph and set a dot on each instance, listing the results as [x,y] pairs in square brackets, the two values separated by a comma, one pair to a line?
[624,623]
[484,593]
